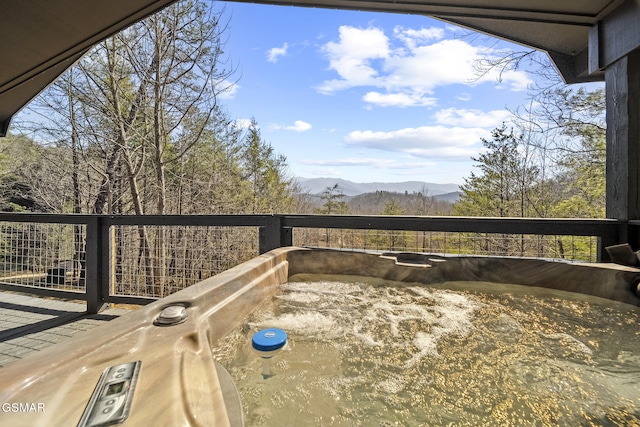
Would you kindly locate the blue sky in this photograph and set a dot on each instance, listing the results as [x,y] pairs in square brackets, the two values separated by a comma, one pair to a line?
[367,96]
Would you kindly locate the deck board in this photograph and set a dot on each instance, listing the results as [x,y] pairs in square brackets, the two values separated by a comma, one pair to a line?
[29,323]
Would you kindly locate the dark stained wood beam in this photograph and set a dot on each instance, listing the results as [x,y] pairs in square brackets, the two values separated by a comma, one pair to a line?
[623,136]
[575,69]
[4,127]
[615,36]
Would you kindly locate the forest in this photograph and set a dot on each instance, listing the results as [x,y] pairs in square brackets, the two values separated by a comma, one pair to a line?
[549,162]
[138,127]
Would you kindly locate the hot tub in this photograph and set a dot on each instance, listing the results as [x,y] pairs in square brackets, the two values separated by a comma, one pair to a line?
[155,366]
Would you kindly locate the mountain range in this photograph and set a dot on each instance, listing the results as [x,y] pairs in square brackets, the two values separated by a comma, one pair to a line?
[350,188]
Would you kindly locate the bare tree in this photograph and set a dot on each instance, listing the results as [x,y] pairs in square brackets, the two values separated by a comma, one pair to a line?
[136,127]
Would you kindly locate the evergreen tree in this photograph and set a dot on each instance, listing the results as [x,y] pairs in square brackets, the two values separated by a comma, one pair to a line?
[333,201]
[24,177]
[395,239]
[505,183]
[265,174]
[582,182]
[504,188]
[392,207]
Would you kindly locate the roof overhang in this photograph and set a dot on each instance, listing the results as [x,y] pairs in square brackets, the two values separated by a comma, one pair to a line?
[559,27]
[42,38]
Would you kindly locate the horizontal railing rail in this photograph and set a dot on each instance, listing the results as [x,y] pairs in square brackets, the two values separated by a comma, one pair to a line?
[544,226]
[99,261]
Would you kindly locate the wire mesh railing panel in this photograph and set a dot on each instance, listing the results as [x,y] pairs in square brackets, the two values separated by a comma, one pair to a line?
[571,248]
[155,261]
[43,255]
[121,257]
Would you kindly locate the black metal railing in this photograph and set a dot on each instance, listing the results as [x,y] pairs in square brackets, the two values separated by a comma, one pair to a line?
[137,259]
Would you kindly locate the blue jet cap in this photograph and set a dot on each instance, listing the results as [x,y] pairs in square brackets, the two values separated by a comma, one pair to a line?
[269,339]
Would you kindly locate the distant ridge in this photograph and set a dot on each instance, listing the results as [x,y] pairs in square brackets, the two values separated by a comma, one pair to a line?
[350,188]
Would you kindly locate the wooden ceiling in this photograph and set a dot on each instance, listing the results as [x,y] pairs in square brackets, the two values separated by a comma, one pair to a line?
[42,38]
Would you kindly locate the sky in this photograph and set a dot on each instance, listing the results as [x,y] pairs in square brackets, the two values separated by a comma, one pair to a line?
[364,96]
[367,97]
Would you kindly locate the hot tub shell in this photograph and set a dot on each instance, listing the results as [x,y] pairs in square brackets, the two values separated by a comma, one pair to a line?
[180,383]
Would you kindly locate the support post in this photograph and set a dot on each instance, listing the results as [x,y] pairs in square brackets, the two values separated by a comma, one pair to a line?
[274,236]
[286,236]
[108,260]
[94,261]
[623,136]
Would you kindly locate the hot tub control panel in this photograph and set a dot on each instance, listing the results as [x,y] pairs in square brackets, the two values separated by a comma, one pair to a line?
[111,400]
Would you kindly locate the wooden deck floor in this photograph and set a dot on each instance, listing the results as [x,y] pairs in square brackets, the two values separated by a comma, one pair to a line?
[29,323]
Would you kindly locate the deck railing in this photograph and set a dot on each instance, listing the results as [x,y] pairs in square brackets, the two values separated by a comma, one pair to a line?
[137,259]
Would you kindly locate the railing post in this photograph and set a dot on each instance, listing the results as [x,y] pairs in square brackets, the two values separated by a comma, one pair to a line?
[621,233]
[286,236]
[108,264]
[94,247]
[273,235]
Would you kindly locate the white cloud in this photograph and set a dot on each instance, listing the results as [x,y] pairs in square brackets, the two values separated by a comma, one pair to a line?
[352,57]
[413,37]
[224,89]
[298,126]
[453,143]
[355,161]
[399,99]
[370,162]
[243,123]
[471,118]
[516,80]
[414,63]
[323,172]
[276,52]
[229,90]
[426,67]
